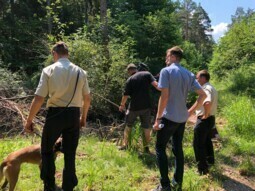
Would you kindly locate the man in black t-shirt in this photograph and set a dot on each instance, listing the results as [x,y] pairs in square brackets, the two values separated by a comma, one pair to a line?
[138,89]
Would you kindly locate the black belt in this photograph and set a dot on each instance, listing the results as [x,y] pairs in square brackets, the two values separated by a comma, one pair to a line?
[200,116]
[62,108]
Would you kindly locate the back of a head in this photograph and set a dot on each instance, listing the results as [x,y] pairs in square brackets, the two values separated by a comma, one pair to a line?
[205,74]
[131,67]
[176,51]
[60,48]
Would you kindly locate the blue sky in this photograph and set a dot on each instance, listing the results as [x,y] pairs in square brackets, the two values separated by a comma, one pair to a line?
[220,12]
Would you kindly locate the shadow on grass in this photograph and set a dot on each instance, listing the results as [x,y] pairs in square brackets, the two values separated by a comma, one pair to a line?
[232,185]
[227,160]
[148,159]
[228,183]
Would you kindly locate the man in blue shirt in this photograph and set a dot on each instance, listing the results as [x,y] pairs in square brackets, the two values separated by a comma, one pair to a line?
[175,82]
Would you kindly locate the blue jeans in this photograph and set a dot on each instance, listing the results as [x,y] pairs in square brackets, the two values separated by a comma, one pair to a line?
[174,130]
[65,122]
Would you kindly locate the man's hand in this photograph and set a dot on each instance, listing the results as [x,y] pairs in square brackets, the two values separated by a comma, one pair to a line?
[156,125]
[204,117]
[122,108]
[192,119]
[82,122]
[29,126]
[35,107]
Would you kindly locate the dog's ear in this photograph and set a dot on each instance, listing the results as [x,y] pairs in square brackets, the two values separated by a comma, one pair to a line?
[58,146]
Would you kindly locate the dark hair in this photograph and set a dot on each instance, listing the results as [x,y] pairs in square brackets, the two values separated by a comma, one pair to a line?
[60,48]
[143,67]
[205,74]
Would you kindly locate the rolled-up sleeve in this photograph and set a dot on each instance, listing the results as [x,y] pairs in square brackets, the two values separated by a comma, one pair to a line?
[42,88]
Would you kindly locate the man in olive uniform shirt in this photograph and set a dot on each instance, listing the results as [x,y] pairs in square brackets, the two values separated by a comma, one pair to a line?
[67,87]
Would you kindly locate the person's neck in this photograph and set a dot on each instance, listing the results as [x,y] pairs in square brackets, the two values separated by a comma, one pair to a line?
[133,73]
[63,57]
[176,62]
[203,83]
[60,57]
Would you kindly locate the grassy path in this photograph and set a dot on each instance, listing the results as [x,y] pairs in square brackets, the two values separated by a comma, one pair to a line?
[101,166]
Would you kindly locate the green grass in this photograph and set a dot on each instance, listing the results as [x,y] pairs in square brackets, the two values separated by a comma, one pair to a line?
[247,167]
[101,166]
[240,114]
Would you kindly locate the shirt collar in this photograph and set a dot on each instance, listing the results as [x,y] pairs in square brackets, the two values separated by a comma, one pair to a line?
[207,83]
[176,64]
[63,60]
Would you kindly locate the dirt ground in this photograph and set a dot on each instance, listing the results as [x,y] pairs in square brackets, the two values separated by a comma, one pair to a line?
[235,182]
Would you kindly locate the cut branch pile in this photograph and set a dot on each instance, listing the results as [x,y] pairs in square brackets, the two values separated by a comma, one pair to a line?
[13,115]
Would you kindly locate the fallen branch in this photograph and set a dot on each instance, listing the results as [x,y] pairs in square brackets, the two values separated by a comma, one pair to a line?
[13,98]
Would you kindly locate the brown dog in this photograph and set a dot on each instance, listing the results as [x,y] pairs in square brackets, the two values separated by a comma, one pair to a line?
[10,167]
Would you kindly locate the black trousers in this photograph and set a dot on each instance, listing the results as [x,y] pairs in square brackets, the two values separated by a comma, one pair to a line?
[174,130]
[65,122]
[202,143]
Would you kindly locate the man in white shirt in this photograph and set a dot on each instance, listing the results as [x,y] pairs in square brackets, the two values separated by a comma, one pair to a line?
[202,143]
[67,87]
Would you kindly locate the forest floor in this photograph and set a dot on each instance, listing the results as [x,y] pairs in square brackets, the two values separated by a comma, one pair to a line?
[231,176]
[228,176]
[234,181]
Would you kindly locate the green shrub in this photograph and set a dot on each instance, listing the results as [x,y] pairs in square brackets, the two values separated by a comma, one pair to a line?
[240,115]
[242,81]
[106,75]
[10,83]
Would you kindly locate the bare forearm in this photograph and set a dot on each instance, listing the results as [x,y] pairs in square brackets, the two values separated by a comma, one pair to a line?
[155,84]
[162,102]
[123,100]
[207,108]
[199,101]
[35,107]
[85,107]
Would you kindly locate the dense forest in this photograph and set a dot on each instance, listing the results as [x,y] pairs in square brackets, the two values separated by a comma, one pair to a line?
[104,36]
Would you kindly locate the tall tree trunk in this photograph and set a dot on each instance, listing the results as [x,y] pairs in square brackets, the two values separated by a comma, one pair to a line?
[105,40]
[86,13]
[103,17]
[12,25]
[49,19]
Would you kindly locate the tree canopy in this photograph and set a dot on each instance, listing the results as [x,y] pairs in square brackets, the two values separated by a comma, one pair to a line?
[104,37]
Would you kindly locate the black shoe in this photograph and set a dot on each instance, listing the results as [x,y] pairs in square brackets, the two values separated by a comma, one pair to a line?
[48,188]
[160,188]
[175,186]
[146,150]
[203,172]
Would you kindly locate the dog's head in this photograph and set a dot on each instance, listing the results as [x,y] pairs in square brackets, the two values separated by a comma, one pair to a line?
[58,146]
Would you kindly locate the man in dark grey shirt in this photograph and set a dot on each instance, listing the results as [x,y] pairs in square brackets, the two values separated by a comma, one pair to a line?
[137,88]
